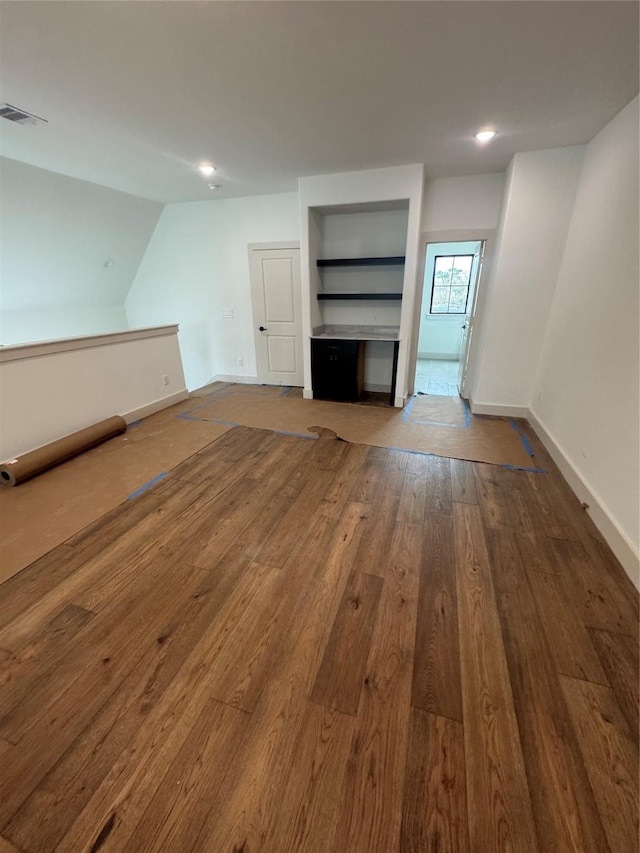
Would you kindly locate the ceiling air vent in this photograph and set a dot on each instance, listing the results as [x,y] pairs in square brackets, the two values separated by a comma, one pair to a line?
[19,116]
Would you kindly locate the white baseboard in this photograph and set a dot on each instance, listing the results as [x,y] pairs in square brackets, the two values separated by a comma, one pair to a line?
[617,540]
[231,377]
[156,406]
[307,394]
[440,356]
[499,410]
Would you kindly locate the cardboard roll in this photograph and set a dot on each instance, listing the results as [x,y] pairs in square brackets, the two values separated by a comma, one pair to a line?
[16,471]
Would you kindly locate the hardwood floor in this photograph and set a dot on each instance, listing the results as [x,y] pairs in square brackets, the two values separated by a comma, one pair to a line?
[294,645]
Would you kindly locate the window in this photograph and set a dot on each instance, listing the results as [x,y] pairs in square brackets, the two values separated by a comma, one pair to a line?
[450,288]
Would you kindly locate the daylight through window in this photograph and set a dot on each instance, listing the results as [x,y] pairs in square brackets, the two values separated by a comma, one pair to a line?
[451,279]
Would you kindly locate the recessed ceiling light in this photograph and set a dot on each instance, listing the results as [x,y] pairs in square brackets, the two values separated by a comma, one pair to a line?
[485,135]
[207,169]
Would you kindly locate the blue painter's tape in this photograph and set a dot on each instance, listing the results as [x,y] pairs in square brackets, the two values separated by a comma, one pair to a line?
[414,452]
[523,468]
[297,434]
[223,423]
[147,485]
[523,438]
[134,424]
[467,412]
[408,407]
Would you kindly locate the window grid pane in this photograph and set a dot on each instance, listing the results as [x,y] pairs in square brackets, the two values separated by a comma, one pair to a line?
[450,285]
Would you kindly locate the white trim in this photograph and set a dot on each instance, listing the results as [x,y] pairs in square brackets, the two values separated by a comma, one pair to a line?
[616,538]
[439,356]
[307,394]
[231,377]
[498,410]
[18,352]
[156,406]
[283,244]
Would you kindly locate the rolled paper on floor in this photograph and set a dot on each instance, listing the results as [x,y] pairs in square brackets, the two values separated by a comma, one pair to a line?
[16,471]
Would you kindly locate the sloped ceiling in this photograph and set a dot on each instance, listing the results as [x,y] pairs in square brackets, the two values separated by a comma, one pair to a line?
[66,243]
[137,93]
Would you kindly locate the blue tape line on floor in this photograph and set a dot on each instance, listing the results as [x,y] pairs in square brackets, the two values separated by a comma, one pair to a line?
[414,452]
[523,438]
[297,434]
[467,413]
[408,407]
[223,423]
[148,485]
[523,468]
[134,424]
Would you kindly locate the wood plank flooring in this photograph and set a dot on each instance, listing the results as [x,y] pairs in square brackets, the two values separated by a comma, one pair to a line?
[298,645]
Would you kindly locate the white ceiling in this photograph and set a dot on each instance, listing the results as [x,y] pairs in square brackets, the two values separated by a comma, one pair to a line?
[137,93]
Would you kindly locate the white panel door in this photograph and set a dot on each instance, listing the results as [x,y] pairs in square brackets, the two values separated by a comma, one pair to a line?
[276,297]
[467,325]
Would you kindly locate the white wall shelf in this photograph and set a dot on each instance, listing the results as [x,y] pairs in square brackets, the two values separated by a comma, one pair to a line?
[360,296]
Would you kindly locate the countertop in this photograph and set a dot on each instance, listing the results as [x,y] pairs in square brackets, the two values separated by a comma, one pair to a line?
[356,333]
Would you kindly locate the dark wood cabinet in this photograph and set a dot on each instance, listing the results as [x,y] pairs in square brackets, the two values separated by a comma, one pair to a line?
[337,369]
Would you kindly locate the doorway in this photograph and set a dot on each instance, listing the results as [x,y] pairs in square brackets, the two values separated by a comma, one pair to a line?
[449,290]
[276,303]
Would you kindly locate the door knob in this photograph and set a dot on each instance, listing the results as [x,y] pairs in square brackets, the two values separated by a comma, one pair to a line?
[262,328]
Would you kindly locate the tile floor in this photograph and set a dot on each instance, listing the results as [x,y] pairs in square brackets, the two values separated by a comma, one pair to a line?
[436,376]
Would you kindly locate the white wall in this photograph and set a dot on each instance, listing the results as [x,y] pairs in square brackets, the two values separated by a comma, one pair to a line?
[40,403]
[361,235]
[366,234]
[539,196]
[440,337]
[456,204]
[45,324]
[56,234]
[197,266]
[586,393]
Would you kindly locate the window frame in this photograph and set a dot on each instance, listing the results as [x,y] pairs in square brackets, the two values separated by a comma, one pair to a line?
[447,313]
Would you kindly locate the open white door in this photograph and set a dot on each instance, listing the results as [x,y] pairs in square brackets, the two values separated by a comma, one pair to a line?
[467,325]
[276,299]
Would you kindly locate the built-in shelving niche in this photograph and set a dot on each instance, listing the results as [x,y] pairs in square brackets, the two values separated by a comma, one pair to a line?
[358,253]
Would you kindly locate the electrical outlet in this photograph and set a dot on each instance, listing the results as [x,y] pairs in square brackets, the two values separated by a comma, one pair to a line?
[226,315]
[165,379]
[240,362]
[375,318]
